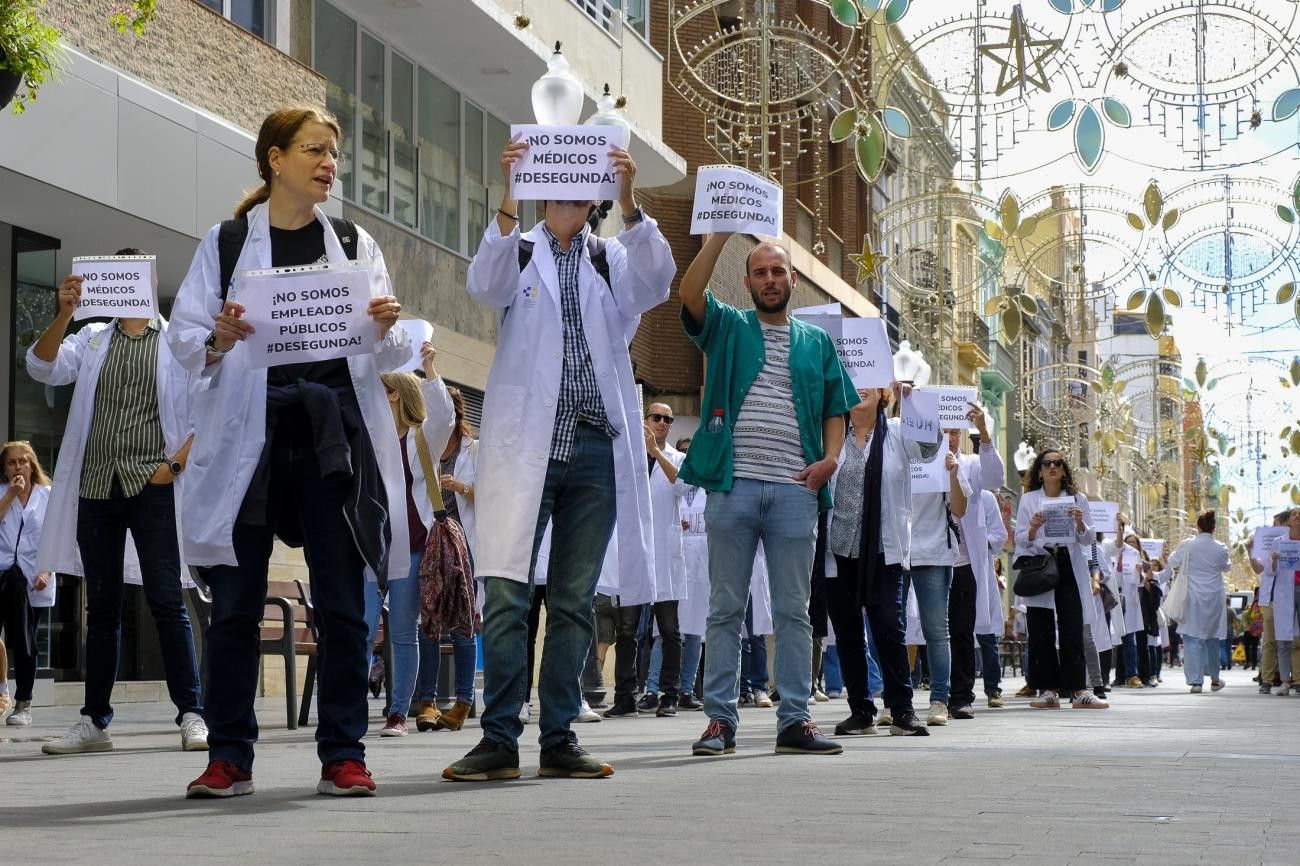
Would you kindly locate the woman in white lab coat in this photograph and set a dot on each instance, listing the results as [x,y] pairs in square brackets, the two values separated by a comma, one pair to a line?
[1202,561]
[247,484]
[24,591]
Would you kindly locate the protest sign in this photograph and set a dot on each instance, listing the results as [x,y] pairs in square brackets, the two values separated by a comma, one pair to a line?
[920,416]
[568,163]
[421,332]
[1058,526]
[116,286]
[1265,540]
[1154,547]
[932,476]
[1104,516]
[733,199]
[313,313]
[1288,558]
[954,403]
[819,310]
[863,348]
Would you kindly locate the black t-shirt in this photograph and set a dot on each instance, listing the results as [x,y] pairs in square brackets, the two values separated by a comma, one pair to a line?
[292,248]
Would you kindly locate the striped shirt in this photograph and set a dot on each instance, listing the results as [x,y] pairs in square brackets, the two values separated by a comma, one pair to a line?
[766,435]
[579,398]
[126,436]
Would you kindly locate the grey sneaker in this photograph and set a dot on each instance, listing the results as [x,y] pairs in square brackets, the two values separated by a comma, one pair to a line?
[83,737]
[719,738]
[488,761]
[20,717]
[566,759]
[805,738]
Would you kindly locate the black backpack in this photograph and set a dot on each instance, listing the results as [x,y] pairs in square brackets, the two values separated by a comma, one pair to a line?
[233,233]
[595,249]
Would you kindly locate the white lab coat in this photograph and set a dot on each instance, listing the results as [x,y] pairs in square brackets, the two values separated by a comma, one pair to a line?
[1031,502]
[665,514]
[463,469]
[1202,562]
[524,384]
[693,610]
[80,359]
[990,618]
[1129,584]
[439,422]
[1276,589]
[230,398]
[20,535]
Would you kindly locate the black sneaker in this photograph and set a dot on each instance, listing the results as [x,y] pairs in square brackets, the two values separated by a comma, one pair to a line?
[566,759]
[906,724]
[688,701]
[962,712]
[648,702]
[488,761]
[1101,692]
[856,725]
[719,738]
[624,705]
[667,706]
[746,699]
[805,738]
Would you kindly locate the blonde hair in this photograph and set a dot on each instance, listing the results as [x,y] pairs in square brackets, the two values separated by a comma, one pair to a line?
[278,130]
[38,474]
[410,402]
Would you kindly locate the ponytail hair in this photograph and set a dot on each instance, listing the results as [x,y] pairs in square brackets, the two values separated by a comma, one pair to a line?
[278,130]
[1207,520]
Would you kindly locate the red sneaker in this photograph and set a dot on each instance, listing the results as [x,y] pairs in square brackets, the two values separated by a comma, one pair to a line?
[346,779]
[221,779]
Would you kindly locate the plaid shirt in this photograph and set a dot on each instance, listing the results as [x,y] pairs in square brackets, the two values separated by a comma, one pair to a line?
[579,389]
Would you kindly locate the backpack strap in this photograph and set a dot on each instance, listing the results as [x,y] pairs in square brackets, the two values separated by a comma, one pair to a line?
[599,261]
[233,233]
[525,254]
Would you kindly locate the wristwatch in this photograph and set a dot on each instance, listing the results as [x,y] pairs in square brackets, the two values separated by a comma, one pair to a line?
[211,345]
[635,216]
[175,466]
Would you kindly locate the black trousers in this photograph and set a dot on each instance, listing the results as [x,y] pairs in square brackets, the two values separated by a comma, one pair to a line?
[886,615]
[18,621]
[626,620]
[1056,636]
[961,630]
[1144,656]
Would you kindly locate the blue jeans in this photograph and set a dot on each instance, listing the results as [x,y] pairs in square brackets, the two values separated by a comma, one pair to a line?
[784,516]
[831,669]
[102,525]
[933,583]
[464,656]
[875,679]
[1225,653]
[403,628]
[1200,659]
[692,645]
[578,498]
[990,664]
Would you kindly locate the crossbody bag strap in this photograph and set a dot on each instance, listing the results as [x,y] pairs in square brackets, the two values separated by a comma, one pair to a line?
[432,482]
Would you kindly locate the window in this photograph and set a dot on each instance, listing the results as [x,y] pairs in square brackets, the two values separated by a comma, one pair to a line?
[613,15]
[335,41]
[255,16]
[402,132]
[374,134]
[475,187]
[439,156]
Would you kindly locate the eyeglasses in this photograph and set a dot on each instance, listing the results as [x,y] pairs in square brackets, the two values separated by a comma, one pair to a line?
[1053,464]
[317,150]
[659,419]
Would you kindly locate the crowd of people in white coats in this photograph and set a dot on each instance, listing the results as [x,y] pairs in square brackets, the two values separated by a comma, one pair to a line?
[788,513]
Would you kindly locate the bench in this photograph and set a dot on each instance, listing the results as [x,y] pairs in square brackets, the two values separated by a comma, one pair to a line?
[309,680]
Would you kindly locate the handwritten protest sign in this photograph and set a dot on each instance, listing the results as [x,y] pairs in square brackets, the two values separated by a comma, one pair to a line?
[1154,547]
[732,199]
[116,286]
[954,403]
[421,332]
[1104,516]
[569,163]
[1058,526]
[314,313]
[932,476]
[920,416]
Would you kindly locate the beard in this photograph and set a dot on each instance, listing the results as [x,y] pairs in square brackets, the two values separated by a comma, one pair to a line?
[764,307]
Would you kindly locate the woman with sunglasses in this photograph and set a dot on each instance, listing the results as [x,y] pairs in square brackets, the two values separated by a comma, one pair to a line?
[1057,618]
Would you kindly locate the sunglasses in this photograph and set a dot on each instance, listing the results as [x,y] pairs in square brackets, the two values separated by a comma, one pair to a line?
[1053,464]
[659,419]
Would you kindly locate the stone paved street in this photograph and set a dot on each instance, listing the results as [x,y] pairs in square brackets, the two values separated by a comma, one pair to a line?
[1163,777]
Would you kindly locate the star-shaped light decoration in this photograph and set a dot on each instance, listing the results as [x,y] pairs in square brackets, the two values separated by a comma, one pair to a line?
[868,261]
[1024,57]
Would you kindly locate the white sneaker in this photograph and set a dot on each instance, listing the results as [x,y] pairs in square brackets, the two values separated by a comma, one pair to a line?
[1088,701]
[819,696]
[885,719]
[938,714]
[21,716]
[762,698]
[194,733]
[525,714]
[84,737]
[586,713]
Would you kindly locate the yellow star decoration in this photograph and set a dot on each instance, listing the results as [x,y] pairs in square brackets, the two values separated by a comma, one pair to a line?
[868,261]
[1021,60]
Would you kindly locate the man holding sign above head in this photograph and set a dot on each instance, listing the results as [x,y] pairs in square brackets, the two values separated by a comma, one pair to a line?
[775,396]
[562,443]
[126,443]
[293,441]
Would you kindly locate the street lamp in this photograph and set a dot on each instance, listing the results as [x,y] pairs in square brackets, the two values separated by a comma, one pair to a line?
[910,367]
[1024,457]
[557,95]
[609,114]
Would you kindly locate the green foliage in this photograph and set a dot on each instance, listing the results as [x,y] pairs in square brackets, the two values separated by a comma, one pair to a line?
[31,49]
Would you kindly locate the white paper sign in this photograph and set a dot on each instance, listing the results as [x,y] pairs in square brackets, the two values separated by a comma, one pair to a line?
[954,403]
[1154,547]
[932,477]
[313,313]
[421,332]
[1265,539]
[819,310]
[116,286]
[568,163]
[1058,526]
[1288,558]
[863,348]
[733,199]
[1104,516]
[920,416]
